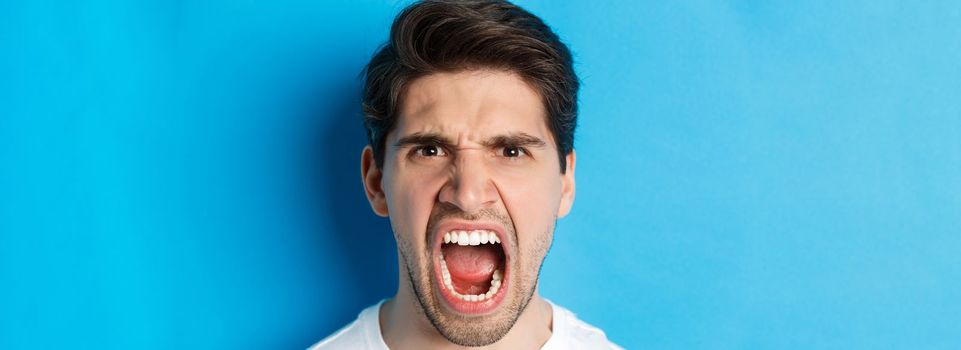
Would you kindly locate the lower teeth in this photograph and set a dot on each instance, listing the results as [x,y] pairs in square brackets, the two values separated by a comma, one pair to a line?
[495,284]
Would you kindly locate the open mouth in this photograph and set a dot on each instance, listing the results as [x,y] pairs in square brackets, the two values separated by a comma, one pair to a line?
[471,267]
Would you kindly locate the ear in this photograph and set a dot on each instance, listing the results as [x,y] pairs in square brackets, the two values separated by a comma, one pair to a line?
[372,177]
[567,186]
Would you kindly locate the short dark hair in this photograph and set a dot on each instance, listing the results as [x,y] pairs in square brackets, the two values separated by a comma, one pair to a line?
[447,36]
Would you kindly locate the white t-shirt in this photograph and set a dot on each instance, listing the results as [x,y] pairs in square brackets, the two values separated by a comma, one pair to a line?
[568,333]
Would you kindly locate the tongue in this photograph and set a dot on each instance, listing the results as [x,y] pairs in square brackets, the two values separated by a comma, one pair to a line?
[472,266]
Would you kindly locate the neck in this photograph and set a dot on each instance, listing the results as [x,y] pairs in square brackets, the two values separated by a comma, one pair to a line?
[405,326]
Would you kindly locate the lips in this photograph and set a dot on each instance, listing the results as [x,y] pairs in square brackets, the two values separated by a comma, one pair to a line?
[470,265]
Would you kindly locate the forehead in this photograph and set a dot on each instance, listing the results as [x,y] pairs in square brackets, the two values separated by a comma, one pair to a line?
[471,105]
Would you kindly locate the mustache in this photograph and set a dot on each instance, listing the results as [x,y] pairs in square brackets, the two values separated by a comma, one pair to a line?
[449,211]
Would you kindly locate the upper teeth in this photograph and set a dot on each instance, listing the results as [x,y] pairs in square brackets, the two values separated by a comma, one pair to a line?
[475,237]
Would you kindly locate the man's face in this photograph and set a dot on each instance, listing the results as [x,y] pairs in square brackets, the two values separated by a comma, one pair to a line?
[471,157]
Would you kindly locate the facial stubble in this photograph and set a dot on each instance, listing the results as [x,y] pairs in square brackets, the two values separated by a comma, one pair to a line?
[477,330]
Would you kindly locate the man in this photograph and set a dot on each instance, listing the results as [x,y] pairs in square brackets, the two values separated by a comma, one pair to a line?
[470,111]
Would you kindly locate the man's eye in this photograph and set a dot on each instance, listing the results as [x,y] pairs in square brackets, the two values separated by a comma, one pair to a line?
[430,151]
[514,152]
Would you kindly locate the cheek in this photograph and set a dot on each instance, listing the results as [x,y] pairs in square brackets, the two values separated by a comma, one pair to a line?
[532,202]
[410,200]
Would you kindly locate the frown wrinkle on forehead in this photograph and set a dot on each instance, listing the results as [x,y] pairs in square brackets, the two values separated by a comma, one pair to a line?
[515,139]
[470,106]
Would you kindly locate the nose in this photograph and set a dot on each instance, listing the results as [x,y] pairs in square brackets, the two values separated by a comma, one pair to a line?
[470,186]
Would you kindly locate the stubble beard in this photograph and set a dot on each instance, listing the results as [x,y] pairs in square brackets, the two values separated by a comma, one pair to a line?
[473,330]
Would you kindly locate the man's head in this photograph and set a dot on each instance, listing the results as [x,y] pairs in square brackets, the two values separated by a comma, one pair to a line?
[470,110]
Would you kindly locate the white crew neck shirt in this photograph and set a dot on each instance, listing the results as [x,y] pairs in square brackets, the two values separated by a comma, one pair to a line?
[568,332]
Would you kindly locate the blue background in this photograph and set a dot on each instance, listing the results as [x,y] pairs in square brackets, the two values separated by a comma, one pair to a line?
[751,174]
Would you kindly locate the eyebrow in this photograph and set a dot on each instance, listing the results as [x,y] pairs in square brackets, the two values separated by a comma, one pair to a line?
[518,139]
[423,138]
[515,139]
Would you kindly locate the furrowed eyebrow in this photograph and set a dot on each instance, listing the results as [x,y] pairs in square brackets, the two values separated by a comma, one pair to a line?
[419,138]
[517,140]
[513,139]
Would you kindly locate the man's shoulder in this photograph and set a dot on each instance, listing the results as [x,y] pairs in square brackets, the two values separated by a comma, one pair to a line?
[577,334]
[345,338]
[356,335]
